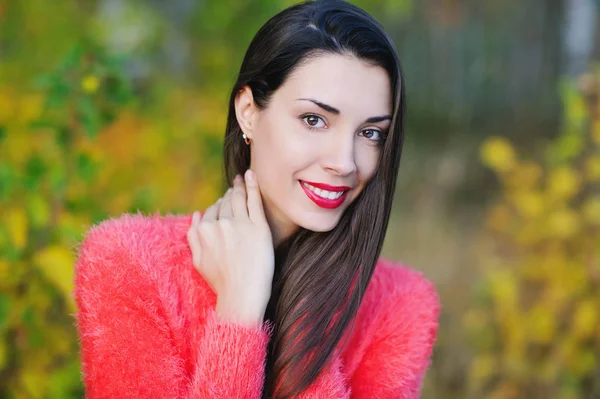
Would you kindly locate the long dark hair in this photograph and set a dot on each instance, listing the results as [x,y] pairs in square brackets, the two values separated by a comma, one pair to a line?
[320,278]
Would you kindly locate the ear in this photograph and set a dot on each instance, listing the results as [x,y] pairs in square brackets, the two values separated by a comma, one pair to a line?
[246,111]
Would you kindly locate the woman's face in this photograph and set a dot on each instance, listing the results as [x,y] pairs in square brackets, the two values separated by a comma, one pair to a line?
[317,143]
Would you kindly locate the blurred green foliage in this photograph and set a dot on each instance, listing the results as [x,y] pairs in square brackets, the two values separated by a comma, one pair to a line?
[535,319]
[46,174]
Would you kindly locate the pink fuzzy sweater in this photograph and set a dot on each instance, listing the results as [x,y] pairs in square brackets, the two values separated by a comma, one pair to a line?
[148,329]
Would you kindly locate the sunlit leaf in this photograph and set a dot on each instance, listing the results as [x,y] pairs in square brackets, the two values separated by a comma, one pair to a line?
[57,264]
[17,225]
[564,182]
[38,210]
[497,153]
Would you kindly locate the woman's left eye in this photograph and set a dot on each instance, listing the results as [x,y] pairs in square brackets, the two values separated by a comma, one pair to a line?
[313,121]
[372,134]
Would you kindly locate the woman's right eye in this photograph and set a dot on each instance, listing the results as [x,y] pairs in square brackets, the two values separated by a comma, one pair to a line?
[313,121]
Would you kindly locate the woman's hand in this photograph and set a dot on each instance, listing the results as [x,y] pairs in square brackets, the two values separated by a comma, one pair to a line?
[232,248]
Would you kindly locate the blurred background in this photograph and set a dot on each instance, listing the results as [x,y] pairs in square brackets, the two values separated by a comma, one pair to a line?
[112,106]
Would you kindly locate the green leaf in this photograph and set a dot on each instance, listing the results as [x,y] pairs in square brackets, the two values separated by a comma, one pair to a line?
[118,90]
[7,181]
[4,309]
[86,167]
[73,58]
[65,382]
[35,169]
[65,136]
[58,95]
[89,116]
[41,124]
[57,178]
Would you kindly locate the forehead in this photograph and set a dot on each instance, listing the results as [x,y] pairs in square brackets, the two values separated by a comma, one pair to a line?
[345,82]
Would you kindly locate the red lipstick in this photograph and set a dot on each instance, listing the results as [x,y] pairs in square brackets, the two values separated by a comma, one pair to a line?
[325,202]
[327,187]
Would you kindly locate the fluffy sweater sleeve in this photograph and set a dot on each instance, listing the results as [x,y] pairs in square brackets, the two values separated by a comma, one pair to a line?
[128,349]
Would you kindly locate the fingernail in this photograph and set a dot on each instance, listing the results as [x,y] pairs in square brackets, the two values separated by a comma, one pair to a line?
[250,175]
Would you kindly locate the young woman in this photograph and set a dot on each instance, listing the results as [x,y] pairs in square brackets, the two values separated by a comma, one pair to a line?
[276,290]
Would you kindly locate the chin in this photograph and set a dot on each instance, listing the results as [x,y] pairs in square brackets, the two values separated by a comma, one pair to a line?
[319,225]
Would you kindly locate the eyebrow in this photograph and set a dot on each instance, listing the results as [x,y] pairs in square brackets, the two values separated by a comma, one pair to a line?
[333,110]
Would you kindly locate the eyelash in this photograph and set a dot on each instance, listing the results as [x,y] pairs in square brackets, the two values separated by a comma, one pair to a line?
[382,135]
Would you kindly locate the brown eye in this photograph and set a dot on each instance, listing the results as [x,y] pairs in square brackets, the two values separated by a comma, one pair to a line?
[313,121]
[372,133]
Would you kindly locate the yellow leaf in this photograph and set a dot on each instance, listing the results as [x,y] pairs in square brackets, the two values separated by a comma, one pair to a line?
[585,318]
[483,366]
[18,148]
[17,226]
[4,267]
[592,168]
[530,204]
[596,131]
[30,108]
[57,264]
[526,175]
[34,382]
[564,223]
[7,106]
[541,323]
[585,363]
[3,353]
[591,210]
[475,320]
[503,287]
[564,182]
[575,107]
[39,211]
[498,154]
[90,84]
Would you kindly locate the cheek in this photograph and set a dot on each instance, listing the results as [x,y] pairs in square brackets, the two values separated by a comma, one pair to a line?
[366,164]
[282,146]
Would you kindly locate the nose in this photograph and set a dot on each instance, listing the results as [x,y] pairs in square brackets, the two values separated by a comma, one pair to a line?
[339,156]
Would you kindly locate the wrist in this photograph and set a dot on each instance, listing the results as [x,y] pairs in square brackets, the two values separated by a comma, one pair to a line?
[240,312]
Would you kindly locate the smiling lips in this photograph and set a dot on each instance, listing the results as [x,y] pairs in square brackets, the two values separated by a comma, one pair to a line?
[324,195]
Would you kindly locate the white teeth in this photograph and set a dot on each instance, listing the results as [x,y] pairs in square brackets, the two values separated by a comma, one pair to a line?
[324,193]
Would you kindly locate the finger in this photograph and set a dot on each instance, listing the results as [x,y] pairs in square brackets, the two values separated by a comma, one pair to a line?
[238,198]
[212,211]
[194,242]
[225,210]
[195,218]
[255,207]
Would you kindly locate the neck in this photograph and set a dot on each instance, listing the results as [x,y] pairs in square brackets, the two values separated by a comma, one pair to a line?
[280,227]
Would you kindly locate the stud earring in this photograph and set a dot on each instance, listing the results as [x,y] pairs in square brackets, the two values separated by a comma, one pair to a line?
[246,138]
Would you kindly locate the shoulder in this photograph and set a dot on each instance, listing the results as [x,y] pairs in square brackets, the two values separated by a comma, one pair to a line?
[402,294]
[133,231]
[392,282]
[396,324]
[130,248]
[401,303]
